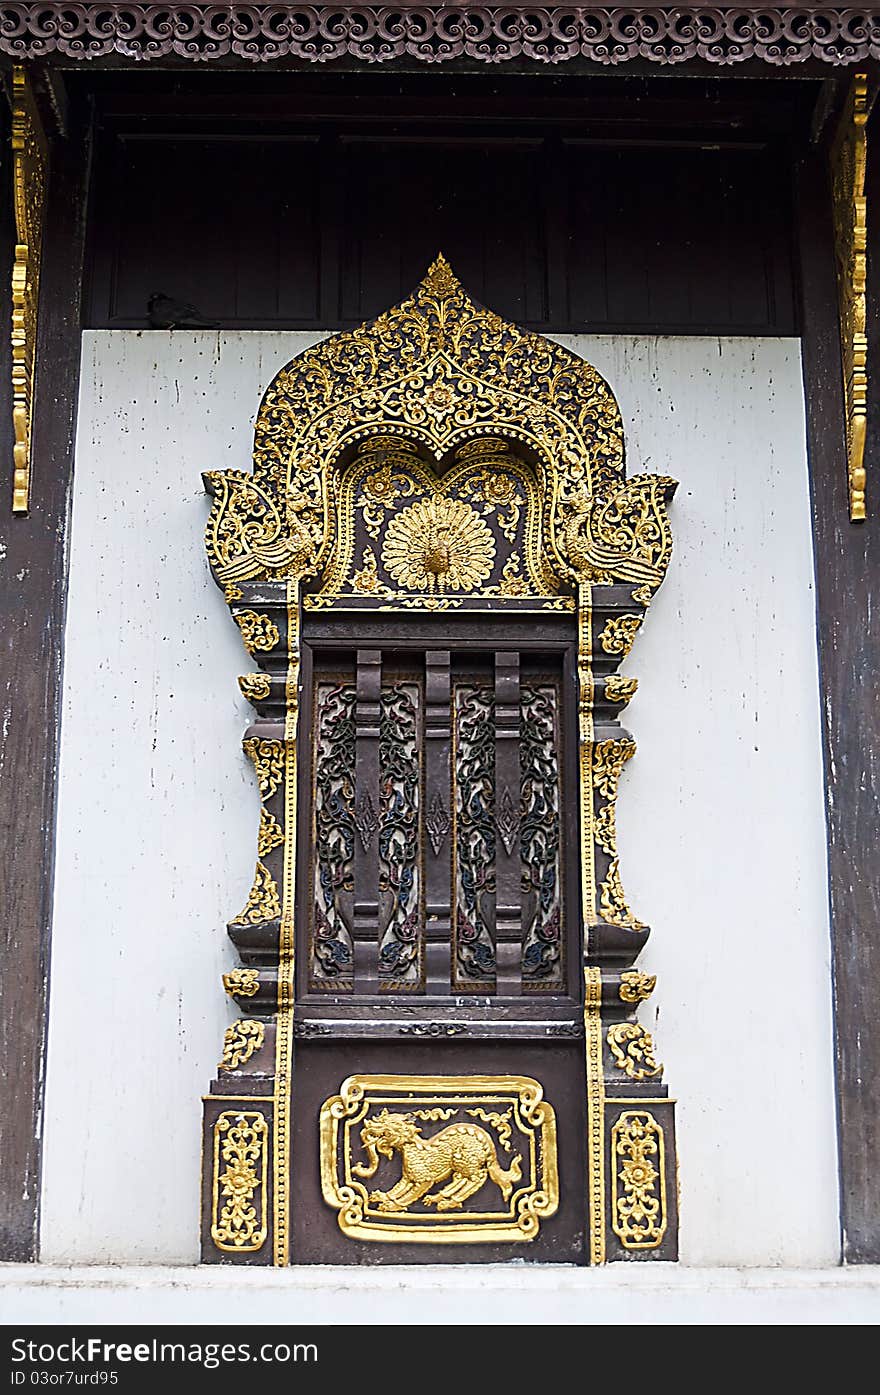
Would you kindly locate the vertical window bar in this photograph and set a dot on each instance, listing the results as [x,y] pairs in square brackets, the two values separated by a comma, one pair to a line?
[365,928]
[438,824]
[508,868]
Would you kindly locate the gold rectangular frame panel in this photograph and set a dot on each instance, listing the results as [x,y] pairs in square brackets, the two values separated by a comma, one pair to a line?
[512,1106]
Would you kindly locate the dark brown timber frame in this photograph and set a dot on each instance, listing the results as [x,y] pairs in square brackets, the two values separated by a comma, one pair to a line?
[35,571]
[34,596]
[847,560]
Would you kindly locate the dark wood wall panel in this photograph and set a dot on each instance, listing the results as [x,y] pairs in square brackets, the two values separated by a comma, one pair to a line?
[683,239]
[34,598]
[848,602]
[328,224]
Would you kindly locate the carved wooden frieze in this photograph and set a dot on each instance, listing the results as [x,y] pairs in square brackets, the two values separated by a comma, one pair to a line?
[724,35]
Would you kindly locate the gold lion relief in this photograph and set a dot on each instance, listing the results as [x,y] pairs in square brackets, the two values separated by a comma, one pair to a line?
[454,1178]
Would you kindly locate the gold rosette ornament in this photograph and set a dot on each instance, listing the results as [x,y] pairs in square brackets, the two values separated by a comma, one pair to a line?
[438,544]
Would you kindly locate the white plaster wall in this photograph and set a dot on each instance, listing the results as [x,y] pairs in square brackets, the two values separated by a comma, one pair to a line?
[720,817]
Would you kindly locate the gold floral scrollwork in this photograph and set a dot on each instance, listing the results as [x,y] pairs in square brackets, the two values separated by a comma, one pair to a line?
[636,987]
[633,1050]
[439,1157]
[619,634]
[263,902]
[609,758]
[242,983]
[256,687]
[240,1042]
[365,581]
[638,1156]
[438,544]
[271,834]
[849,164]
[239,1199]
[620,689]
[268,762]
[258,632]
[30,168]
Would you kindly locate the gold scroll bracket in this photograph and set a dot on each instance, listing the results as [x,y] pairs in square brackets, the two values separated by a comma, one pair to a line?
[848,164]
[30,161]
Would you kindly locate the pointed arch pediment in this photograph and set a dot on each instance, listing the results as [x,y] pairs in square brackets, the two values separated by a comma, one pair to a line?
[438,371]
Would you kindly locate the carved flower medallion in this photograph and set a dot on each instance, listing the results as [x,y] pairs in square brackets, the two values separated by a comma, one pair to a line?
[438,544]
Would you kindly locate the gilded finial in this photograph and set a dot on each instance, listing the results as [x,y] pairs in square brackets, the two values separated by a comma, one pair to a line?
[440,278]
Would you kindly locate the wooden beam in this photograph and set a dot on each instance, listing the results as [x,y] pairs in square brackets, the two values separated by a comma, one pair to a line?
[33,572]
[847,559]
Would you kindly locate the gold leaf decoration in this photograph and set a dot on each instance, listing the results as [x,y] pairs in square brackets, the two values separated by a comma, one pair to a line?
[849,163]
[30,168]
[256,687]
[438,544]
[239,1200]
[633,1050]
[242,983]
[639,1187]
[257,631]
[240,1042]
[619,633]
[270,835]
[620,689]
[636,987]
[263,902]
[268,762]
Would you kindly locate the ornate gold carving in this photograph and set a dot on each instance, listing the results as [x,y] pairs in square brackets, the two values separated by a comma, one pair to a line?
[848,163]
[30,169]
[365,581]
[619,634]
[609,758]
[262,903]
[620,689]
[257,631]
[439,375]
[231,592]
[240,1146]
[438,544]
[256,687]
[436,1173]
[242,983]
[638,1205]
[242,1039]
[633,1050]
[271,834]
[624,536]
[595,1114]
[268,762]
[636,987]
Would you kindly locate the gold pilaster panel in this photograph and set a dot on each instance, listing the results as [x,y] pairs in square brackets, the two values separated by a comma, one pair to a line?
[30,168]
[239,1186]
[638,1195]
[849,162]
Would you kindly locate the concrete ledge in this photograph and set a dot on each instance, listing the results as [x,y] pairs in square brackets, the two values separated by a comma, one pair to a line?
[488,1294]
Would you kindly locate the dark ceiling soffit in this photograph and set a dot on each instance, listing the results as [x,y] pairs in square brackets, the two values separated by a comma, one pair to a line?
[721,35]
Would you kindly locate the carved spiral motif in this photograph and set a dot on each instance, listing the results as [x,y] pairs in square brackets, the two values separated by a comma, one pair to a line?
[438,544]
